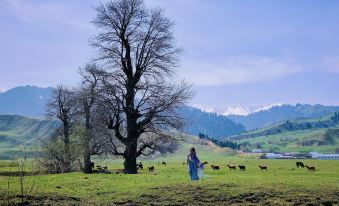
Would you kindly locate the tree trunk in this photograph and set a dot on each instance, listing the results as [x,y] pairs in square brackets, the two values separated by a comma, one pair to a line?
[132,130]
[87,150]
[87,156]
[130,165]
[67,153]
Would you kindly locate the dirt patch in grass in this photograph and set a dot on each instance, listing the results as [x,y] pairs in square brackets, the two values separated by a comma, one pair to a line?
[315,199]
[17,173]
[40,200]
[217,195]
[223,194]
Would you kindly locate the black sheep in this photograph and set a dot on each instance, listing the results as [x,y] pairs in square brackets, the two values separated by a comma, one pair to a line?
[242,167]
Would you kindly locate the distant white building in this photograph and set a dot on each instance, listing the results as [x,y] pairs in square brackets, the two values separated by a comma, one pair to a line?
[272,156]
[279,156]
[256,151]
[321,156]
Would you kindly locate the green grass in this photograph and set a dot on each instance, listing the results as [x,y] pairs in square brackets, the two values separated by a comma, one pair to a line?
[282,184]
[16,130]
[288,141]
[323,136]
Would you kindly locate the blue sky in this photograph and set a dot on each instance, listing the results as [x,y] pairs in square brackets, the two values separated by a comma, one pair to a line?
[254,52]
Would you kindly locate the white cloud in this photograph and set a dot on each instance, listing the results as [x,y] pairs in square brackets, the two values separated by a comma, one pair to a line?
[43,12]
[332,63]
[236,70]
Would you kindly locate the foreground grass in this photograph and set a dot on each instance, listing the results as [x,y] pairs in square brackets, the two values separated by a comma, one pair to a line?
[282,184]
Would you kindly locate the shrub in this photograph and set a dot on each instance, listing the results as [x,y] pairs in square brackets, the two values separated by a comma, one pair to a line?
[53,159]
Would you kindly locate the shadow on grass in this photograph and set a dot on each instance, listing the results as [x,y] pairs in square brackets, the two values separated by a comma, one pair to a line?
[41,200]
[17,173]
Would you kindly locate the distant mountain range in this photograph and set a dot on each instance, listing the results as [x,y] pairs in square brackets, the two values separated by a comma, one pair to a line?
[301,134]
[31,101]
[19,130]
[211,124]
[24,100]
[260,116]
[282,113]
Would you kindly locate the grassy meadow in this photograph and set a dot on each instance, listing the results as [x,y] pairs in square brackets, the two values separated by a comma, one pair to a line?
[288,141]
[282,184]
[295,136]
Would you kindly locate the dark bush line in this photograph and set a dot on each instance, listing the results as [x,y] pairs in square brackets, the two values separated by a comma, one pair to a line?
[226,143]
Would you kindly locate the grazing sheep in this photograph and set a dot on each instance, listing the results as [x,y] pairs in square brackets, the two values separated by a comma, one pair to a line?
[263,167]
[140,166]
[242,167]
[300,164]
[215,167]
[311,168]
[232,167]
[102,169]
[163,163]
[119,171]
[151,169]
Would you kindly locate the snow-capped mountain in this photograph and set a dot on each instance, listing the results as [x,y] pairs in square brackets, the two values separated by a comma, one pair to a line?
[239,109]
[256,117]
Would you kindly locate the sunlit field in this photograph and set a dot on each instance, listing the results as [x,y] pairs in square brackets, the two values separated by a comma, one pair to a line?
[281,184]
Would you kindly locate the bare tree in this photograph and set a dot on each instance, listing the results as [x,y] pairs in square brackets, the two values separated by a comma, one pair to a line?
[62,106]
[137,48]
[87,98]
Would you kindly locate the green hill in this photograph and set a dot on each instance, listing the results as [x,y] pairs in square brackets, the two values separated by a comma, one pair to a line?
[205,148]
[212,124]
[284,112]
[31,101]
[303,135]
[18,130]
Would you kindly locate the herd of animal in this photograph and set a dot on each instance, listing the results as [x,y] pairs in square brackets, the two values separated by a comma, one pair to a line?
[233,167]
[263,167]
[140,166]
[99,168]
[309,168]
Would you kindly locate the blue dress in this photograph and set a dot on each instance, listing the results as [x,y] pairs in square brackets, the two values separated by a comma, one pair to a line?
[193,166]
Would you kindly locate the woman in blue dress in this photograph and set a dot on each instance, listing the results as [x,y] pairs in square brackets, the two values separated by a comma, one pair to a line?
[195,167]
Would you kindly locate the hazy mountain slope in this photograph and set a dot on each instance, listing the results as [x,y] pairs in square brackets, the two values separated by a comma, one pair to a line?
[31,101]
[306,134]
[213,125]
[282,113]
[24,100]
[16,130]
